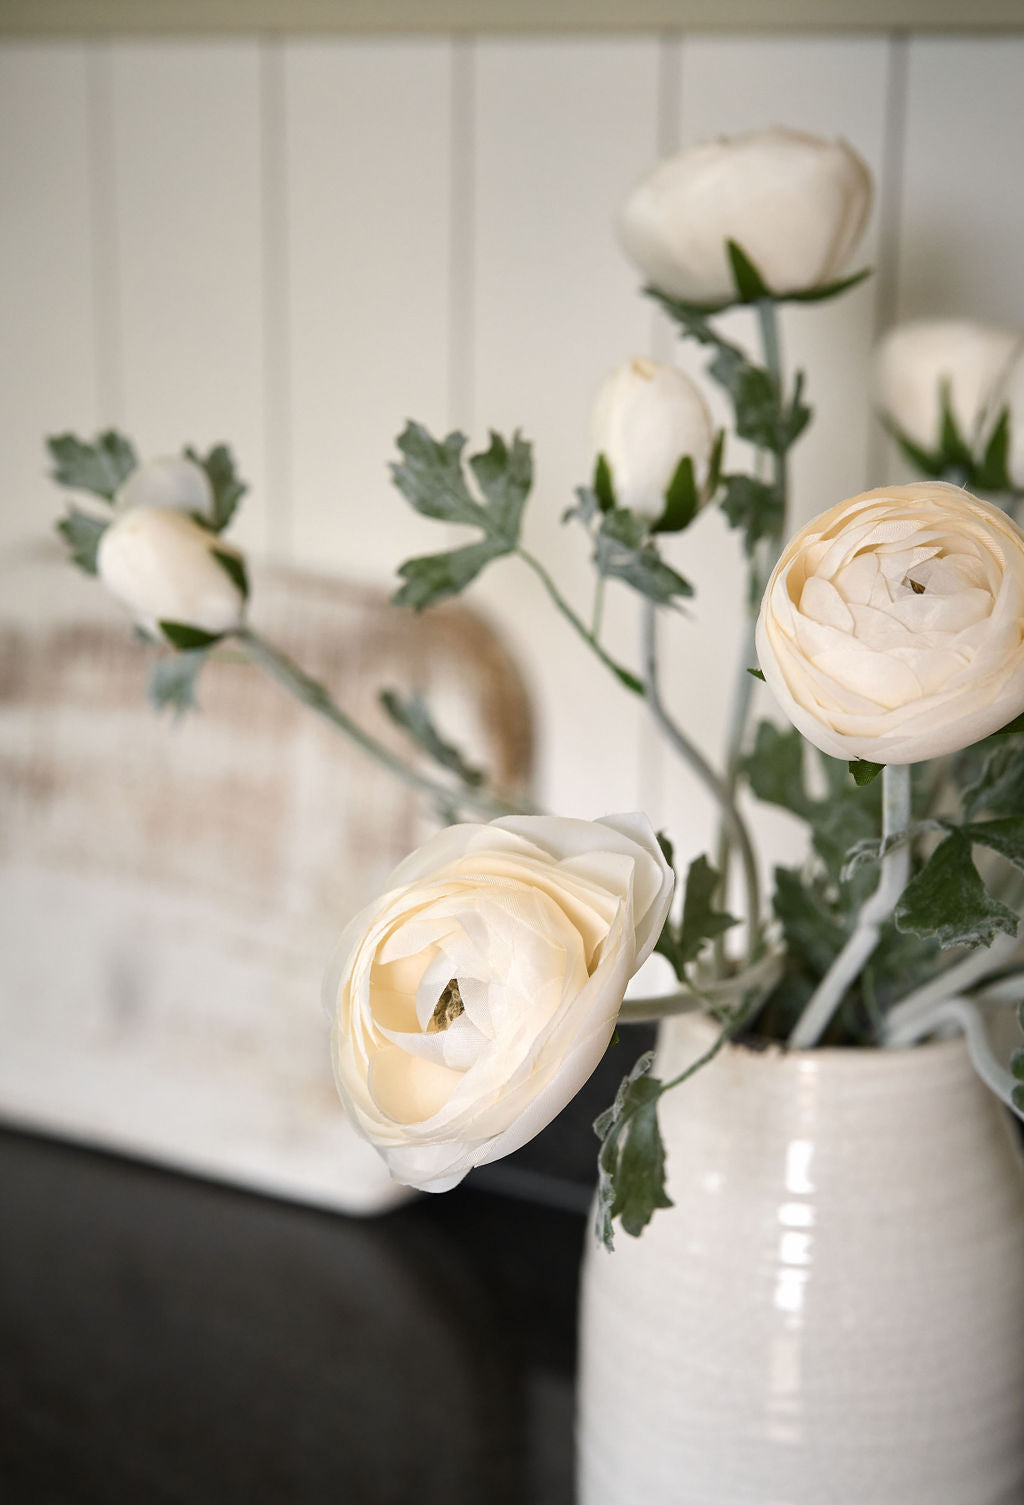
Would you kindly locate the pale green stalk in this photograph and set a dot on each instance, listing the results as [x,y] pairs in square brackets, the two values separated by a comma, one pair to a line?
[895,869]
[625,676]
[309,692]
[964,1014]
[695,759]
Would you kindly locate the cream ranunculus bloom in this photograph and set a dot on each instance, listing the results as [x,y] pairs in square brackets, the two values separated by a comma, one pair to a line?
[983,366]
[796,205]
[892,628]
[647,416]
[159,564]
[475,997]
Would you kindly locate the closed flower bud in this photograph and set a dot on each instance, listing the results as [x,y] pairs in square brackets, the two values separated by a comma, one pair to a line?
[796,206]
[168,481]
[160,564]
[979,366]
[646,418]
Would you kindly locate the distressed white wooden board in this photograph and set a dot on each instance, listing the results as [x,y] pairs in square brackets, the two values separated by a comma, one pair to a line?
[368,213]
[186,194]
[47,314]
[563,128]
[829,87]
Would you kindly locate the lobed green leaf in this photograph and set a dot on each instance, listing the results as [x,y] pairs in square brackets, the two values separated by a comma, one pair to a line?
[82,535]
[100,467]
[948,902]
[172,681]
[226,484]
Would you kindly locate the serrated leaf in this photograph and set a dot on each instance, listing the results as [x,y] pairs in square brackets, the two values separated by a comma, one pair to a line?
[172,680]
[948,902]
[433,577]
[431,479]
[1004,835]
[181,635]
[753,505]
[750,285]
[82,535]
[775,769]
[504,474]
[754,399]
[631,1163]
[227,486]
[587,507]
[412,714]
[999,787]
[682,500]
[811,934]
[603,488]
[701,920]
[993,474]
[622,551]
[864,771]
[99,467]
[234,567]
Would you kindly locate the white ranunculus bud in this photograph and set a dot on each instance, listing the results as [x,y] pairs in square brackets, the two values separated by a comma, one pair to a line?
[475,997]
[892,628]
[983,367]
[646,418]
[159,564]
[794,204]
[168,481]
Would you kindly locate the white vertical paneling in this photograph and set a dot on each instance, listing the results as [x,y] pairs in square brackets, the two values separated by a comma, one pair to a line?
[962,225]
[829,87]
[563,129]
[368,151]
[185,119]
[47,323]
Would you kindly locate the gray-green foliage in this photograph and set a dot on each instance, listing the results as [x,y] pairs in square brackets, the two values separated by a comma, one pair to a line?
[947,900]
[173,680]
[701,921]
[432,477]
[82,533]
[624,547]
[953,458]
[412,714]
[100,467]
[226,484]
[631,1162]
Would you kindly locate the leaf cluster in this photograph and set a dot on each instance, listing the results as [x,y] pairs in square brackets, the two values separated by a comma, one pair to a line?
[432,477]
[952,457]
[631,1162]
[412,714]
[701,920]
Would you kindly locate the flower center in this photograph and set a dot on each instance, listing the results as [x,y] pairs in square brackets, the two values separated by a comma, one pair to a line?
[448,1008]
[916,587]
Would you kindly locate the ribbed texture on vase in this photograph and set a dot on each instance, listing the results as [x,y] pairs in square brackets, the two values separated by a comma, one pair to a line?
[833,1311]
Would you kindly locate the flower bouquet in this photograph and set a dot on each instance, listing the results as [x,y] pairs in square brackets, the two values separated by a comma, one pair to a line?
[474,997]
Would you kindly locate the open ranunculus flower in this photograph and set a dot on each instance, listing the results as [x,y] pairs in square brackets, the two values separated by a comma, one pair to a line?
[892,628]
[476,996]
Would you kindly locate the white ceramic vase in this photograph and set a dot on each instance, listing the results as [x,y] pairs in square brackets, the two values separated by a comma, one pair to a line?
[833,1311]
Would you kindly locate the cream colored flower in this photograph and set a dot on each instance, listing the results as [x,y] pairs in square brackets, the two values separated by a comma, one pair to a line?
[646,418]
[796,205]
[892,628]
[159,564]
[983,367]
[475,997]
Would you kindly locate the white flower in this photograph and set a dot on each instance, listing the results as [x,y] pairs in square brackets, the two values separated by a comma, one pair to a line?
[796,205]
[159,564]
[646,418]
[168,481]
[984,369]
[475,997]
[892,628]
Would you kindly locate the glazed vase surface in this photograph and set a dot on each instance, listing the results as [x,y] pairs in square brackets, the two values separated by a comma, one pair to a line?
[832,1313]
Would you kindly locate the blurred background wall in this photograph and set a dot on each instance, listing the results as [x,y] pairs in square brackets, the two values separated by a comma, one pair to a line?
[296,242]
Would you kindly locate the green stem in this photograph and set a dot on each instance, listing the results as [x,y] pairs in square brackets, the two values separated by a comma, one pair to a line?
[309,692]
[695,759]
[846,968]
[731,1028]
[625,676]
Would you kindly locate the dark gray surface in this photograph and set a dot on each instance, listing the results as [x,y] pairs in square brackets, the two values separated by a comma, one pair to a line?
[165,1340]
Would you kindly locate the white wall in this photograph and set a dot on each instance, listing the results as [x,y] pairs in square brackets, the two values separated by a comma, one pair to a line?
[296,245]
